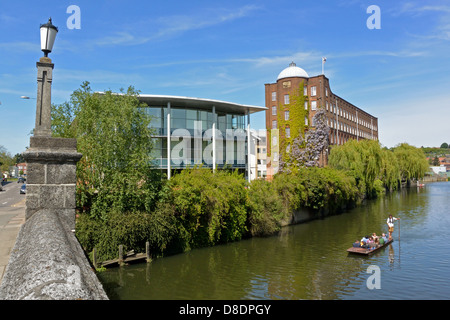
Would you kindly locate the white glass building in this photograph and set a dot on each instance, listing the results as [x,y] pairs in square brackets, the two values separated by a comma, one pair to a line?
[194,131]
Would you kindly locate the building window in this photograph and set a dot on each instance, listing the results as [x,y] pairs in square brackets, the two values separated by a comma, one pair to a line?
[286,115]
[306,105]
[274,111]
[326,92]
[274,96]
[305,90]
[306,120]
[313,91]
[274,124]
[274,141]
[275,156]
[286,99]
[313,105]
[288,132]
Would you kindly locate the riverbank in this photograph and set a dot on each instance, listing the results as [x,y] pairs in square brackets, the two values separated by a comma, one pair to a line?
[201,208]
[309,260]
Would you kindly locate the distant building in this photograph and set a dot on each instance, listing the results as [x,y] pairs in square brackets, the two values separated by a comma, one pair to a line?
[22,168]
[345,120]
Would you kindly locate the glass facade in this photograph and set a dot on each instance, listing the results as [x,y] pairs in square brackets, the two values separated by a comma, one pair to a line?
[191,137]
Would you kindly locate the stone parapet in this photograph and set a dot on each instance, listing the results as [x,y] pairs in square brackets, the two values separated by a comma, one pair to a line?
[48,263]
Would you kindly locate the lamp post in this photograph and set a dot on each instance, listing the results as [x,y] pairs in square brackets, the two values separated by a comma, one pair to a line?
[44,79]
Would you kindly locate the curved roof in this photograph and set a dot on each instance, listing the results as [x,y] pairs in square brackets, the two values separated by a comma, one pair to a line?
[292,71]
[190,102]
[196,103]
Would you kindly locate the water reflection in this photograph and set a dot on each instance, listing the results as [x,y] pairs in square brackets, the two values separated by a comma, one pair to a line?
[307,261]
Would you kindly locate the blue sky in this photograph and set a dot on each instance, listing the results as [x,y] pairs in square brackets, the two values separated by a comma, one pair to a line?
[228,50]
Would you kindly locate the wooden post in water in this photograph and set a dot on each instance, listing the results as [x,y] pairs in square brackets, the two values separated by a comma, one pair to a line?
[121,255]
[147,251]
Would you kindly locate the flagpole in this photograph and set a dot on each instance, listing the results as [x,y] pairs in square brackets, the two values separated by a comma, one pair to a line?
[323,63]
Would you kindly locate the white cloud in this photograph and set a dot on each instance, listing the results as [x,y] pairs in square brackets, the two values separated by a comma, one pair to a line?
[171,26]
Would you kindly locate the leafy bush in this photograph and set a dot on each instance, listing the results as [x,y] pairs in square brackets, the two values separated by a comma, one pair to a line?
[265,208]
[210,206]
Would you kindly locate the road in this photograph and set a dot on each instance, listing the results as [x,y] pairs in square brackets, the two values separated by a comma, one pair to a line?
[12,216]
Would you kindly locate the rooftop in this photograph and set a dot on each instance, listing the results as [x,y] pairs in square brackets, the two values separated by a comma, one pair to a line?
[292,71]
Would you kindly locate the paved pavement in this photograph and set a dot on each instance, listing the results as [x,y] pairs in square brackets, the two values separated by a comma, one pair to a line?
[12,216]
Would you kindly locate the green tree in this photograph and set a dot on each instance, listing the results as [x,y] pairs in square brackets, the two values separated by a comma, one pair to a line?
[5,159]
[444,145]
[411,160]
[435,161]
[114,136]
[210,207]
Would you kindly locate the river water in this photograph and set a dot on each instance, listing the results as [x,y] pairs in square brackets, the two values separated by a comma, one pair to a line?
[310,261]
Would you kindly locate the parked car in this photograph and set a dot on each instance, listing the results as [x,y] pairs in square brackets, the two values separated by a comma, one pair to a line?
[23,189]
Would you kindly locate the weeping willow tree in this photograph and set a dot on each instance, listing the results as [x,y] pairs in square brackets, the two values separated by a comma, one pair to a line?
[361,160]
[412,162]
[390,170]
[374,167]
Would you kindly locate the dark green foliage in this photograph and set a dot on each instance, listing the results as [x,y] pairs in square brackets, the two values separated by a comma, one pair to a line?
[265,208]
[210,207]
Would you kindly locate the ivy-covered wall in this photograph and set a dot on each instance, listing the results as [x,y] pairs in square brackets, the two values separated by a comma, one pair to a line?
[296,122]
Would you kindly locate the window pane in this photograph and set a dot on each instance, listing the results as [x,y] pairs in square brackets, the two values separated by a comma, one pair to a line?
[178,113]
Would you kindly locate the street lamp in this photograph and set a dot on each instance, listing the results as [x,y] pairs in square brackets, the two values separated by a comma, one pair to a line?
[44,79]
[48,35]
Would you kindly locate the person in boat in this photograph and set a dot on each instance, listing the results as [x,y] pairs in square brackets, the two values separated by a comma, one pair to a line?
[382,239]
[377,242]
[374,236]
[364,241]
[390,223]
[357,244]
[370,243]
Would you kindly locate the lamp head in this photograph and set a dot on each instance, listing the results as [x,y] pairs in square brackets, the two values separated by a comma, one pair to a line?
[48,35]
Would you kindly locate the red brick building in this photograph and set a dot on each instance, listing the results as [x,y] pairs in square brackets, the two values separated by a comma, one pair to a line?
[345,120]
